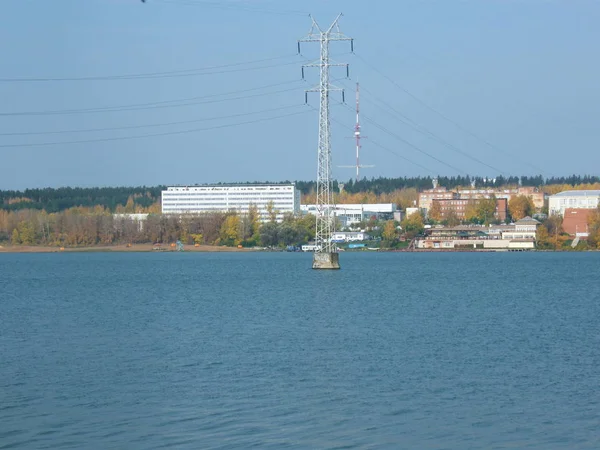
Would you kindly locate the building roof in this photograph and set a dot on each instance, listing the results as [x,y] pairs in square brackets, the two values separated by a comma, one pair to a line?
[581,193]
[229,185]
[357,207]
[527,221]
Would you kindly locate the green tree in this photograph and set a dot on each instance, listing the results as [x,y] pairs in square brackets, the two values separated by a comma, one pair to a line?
[289,234]
[486,210]
[307,225]
[26,233]
[269,234]
[15,239]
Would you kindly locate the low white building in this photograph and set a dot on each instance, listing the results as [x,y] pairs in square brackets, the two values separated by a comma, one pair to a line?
[351,214]
[282,198]
[138,218]
[349,236]
[525,228]
[518,236]
[585,199]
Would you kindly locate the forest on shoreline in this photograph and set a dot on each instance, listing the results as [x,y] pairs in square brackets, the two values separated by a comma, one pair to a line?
[83,217]
[402,191]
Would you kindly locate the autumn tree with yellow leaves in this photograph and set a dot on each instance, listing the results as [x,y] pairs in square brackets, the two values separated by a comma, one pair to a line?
[520,206]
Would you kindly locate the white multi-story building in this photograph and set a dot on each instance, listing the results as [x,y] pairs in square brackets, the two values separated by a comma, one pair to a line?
[283,198]
[573,199]
[350,214]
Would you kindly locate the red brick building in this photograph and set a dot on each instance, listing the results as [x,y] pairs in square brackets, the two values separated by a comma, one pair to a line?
[459,206]
[575,221]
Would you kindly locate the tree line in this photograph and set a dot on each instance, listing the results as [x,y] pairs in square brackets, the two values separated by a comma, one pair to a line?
[82,227]
[380,190]
[54,200]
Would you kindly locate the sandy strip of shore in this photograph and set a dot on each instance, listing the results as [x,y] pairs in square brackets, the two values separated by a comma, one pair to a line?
[118,248]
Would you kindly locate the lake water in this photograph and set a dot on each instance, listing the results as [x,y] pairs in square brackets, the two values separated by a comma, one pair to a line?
[233,351]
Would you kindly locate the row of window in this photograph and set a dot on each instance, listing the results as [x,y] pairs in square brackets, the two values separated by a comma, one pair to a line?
[578,201]
[221,191]
[229,204]
[273,195]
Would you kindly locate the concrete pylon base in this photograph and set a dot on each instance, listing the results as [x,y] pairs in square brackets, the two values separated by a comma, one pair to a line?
[326,260]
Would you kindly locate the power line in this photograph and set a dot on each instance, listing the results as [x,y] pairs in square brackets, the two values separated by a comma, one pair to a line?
[222,5]
[400,156]
[383,147]
[157,105]
[170,74]
[384,129]
[443,116]
[421,129]
[154,125]
[167,133]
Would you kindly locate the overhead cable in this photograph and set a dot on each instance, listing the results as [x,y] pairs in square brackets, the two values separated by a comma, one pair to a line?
[443,116]
[153,125]
[410,144]
[230,6]
[421,129]
[143,136]
[386,148]
[169,74]
[157,105]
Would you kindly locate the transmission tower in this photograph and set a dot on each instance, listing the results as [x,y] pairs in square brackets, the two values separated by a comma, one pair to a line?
[357,137]
[326,256]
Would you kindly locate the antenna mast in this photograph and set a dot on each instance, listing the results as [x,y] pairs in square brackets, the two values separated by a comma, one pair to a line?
[358,137]
[326,256]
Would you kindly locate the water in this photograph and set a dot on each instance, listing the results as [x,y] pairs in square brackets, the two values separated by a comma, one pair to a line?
[192,350]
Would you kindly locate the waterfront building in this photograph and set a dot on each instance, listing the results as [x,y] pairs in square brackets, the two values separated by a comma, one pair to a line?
[584,199]
[280,198]
[440,193]
[518,236]
[458,207]
[349,236]
[351,214]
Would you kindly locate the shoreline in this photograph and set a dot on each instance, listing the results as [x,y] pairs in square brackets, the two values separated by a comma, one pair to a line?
[135,248]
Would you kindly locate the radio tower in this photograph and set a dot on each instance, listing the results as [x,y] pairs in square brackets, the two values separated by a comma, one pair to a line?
[358,137]
[326,256]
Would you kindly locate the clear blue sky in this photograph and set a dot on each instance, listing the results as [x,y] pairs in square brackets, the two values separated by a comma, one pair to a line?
[521,74]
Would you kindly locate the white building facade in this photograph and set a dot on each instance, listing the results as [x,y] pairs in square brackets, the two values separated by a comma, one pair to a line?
[573,199]
[283,198]
[349,236]
[350,214]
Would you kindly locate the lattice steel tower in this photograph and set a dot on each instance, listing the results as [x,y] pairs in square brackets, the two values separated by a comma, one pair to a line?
[326,257]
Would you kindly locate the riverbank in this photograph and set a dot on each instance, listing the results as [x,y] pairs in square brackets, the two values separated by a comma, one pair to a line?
[119,248]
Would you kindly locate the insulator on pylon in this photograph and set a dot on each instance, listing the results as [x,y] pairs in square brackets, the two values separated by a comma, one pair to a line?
[351,46]
[306,98]
[303,72]
[298,47]
[343,96]
[347,70]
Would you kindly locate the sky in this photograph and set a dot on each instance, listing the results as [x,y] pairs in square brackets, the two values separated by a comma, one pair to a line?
[176,92]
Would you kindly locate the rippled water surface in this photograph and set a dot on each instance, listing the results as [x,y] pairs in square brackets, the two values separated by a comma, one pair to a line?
[189,350]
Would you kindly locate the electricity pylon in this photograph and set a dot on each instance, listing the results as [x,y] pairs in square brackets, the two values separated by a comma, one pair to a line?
[326,256]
